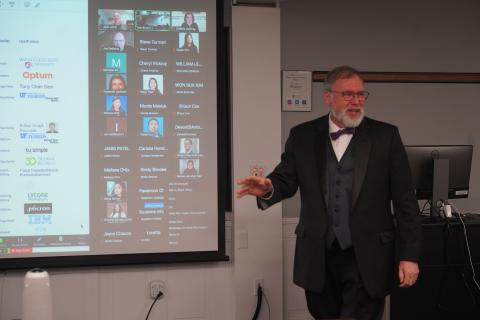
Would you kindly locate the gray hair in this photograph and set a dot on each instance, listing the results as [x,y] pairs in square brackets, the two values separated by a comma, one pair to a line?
[341,72]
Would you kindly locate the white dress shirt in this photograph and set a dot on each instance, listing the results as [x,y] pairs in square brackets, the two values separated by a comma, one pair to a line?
[341,144]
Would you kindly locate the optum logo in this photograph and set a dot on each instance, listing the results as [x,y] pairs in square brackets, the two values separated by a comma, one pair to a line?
[37,75]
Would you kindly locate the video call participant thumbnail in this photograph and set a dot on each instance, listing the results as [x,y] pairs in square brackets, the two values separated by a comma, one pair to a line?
[189,167]
[189,145]
[116,106]
[116,41]
[153,20]
[189,22]
[112,19]
[116,62]
[153,127]
[117,210]
[116,82]
[119,42]
[116,126]
[117,190]
[187,42]
[153,84]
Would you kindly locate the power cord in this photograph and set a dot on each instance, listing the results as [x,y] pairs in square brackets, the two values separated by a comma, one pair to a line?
[474,276]
[268,304]
[160,293]
[259,302]
[260,295]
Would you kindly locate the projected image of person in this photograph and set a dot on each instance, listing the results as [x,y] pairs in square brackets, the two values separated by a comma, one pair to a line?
[52,128]
[188,145]
[189,44]
[119,191]
[153,127]
[116,107]
[117,83]
[117,19]
[189,22]
[153,86]
[119,41]
[117,212]
[190,168]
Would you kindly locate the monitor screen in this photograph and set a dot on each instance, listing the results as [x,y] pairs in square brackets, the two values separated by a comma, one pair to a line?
[421,160]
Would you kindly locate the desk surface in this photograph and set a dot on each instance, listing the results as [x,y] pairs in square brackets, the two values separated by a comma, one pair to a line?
[467,218]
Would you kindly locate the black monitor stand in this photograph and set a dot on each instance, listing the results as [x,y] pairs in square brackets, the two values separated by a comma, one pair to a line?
[439,187]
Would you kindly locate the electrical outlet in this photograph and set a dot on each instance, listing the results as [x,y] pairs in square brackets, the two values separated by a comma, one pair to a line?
[256,283]
[155,287]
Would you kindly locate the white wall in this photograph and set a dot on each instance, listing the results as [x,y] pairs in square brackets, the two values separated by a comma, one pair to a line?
[256,141]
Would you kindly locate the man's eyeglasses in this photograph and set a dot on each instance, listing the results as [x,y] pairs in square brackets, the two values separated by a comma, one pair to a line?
[348,95]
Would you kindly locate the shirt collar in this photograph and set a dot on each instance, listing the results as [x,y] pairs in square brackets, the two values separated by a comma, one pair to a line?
[332,127]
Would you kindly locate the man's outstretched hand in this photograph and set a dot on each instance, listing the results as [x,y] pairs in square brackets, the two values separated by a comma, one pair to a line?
[255,186]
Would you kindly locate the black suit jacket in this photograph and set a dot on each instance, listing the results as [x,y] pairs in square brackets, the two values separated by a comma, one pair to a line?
[381,177]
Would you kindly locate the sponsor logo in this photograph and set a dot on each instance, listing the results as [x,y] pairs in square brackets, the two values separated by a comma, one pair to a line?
[40,219]
[37,75]
[30,161]
[40,161]
[37,196]
[31,62]
[36,150]
[37,208]
[37,95]
[32,135]
[32,95]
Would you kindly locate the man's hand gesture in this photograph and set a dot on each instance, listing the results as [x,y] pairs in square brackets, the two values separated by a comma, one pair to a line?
[255,186]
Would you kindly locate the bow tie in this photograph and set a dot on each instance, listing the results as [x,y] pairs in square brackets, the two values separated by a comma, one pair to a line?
[336,135]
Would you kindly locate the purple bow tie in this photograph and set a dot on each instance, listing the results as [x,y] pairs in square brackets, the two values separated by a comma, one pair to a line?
[336,135]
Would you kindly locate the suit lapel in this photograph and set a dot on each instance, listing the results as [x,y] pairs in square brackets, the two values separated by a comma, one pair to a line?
[320,147]
[361,153]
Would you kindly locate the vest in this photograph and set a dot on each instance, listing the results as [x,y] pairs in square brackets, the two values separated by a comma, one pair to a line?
[340,184]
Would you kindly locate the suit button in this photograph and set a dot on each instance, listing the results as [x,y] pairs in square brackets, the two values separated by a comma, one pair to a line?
[337,196]
[338,182]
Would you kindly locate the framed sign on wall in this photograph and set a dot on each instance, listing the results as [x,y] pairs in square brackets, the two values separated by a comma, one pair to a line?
[296,90]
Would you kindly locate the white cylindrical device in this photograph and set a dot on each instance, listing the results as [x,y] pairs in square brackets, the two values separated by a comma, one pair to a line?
[37,296]
[448,211]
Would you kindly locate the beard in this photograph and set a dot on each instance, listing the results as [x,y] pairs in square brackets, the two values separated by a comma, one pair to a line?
[346,120]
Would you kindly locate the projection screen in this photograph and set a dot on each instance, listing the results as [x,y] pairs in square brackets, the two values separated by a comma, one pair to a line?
[110,130]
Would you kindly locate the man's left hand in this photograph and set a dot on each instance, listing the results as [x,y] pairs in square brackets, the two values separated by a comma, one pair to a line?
[408,273]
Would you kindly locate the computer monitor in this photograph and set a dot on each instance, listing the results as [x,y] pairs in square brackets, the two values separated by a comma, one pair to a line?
[440,172]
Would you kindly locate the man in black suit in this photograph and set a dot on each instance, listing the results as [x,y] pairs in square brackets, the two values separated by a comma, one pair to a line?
[351,172]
